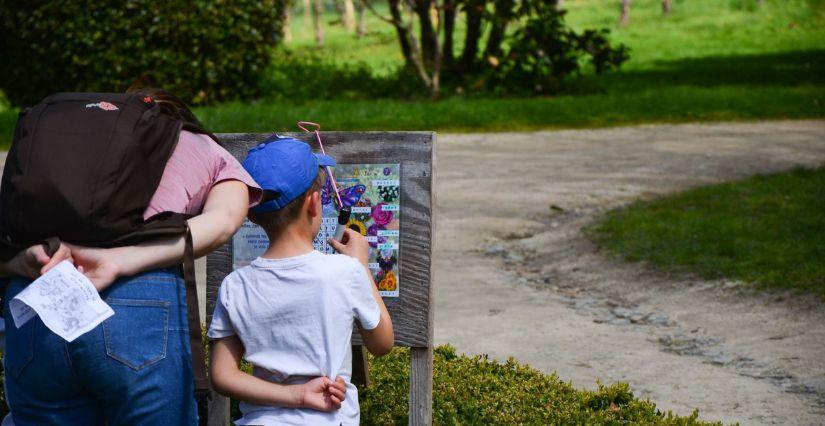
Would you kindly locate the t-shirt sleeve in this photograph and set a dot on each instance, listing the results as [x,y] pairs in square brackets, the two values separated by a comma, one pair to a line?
[365,309]
[228,168]
[221,324]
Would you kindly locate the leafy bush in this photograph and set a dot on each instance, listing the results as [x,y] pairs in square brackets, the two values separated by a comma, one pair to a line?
[204,51]
[543,51]
[477,390]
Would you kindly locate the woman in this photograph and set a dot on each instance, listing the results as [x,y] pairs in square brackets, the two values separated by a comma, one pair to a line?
[134,368]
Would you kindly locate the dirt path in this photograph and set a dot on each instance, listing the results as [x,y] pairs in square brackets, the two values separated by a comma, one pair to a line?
[514,276]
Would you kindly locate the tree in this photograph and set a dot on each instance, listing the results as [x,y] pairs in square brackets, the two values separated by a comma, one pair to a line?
[504,41]
[624,18]
[667,7]
[317,13]
[362,23]
[348,17]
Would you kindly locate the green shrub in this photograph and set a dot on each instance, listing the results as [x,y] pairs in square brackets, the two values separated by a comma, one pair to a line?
[204,51]
[544,51]
[477,390]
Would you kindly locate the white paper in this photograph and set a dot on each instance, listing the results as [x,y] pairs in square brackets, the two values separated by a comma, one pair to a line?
[66,301]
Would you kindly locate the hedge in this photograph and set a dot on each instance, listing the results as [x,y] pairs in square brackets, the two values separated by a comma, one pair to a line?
[480,391]
[204,51]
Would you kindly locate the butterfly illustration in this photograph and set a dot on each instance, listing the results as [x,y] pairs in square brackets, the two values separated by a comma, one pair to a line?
[349,196]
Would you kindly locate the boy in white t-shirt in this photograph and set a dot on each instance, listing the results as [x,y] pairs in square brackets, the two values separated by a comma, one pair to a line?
[290,313]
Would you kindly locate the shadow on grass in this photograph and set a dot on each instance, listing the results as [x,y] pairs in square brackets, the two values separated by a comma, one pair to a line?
[804,67]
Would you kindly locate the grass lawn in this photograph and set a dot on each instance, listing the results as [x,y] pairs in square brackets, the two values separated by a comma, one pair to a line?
[710,60]
[767,230]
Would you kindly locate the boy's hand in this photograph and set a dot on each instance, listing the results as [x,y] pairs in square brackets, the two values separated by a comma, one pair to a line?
[322,394]
[352,244]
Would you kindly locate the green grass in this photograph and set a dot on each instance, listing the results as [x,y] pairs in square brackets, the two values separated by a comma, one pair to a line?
[710,60]
[767,230]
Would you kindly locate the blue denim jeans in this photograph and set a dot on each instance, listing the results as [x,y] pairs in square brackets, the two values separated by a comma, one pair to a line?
[134,368]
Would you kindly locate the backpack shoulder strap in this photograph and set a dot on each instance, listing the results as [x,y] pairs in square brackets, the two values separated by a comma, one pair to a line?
[193,315]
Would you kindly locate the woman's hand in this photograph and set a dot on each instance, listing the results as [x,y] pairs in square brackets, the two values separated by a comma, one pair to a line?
[99,265]
[323,394]
[34,261]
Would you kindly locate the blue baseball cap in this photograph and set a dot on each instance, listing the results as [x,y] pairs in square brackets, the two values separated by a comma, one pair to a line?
[285,168]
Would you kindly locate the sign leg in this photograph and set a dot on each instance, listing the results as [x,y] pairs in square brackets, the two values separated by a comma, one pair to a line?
[218,410]
[421,386]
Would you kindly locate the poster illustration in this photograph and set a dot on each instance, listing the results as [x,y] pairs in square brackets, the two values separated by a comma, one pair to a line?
[373,192]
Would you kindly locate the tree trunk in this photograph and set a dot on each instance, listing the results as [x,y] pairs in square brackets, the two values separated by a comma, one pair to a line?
[475,8]
[624,18]
[403,32]
[307,13]
[500,21]
[362,24]
[429,38]
[286,32]
[666,7]
[318,11]
[448,57]
[559,4]
[349,16]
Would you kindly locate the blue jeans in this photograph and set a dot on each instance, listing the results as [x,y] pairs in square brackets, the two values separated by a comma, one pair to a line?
[134,368]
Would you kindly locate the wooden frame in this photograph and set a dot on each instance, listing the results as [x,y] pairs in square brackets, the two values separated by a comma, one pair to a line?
[411,312]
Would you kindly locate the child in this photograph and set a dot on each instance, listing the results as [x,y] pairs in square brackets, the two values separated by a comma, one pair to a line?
[290,313]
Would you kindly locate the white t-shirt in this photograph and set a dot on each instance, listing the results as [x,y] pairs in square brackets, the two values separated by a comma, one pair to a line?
[295,317]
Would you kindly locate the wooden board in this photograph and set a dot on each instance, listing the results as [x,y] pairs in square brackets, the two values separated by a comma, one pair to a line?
[410,311]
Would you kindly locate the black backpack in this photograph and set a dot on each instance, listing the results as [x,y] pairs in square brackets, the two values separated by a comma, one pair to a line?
[82,168]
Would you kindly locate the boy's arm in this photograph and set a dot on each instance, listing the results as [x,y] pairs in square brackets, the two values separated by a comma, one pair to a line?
[380,340]
[227,379]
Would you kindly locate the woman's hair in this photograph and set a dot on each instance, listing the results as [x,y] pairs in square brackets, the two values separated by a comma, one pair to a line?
[170,105]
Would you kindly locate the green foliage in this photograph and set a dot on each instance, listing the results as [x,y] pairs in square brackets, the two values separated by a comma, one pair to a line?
[768,230]
[204,51]
[477,390]
[543,51]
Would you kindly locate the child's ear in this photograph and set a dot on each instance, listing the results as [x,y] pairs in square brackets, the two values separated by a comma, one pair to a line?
[314,204]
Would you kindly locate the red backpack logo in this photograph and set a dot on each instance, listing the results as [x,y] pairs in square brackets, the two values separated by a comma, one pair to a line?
[106,106]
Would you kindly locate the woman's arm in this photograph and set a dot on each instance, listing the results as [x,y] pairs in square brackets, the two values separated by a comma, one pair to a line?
[223,213]
[228,379]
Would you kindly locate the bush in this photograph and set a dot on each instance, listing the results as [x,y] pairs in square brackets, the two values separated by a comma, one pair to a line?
[543,51]
[203,51]
[477,390]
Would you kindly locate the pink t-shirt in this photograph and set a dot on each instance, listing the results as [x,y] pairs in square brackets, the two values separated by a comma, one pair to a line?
[196,165]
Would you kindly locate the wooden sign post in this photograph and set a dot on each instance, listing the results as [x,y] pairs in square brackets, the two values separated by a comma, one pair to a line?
[411,311]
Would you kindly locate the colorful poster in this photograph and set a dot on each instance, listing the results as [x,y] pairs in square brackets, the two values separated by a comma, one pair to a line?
[373,191]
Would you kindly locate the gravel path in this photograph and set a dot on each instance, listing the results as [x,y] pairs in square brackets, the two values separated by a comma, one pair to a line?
[515,277]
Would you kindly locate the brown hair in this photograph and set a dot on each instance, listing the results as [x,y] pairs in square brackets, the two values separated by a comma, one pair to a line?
[274,222]
[170,105]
